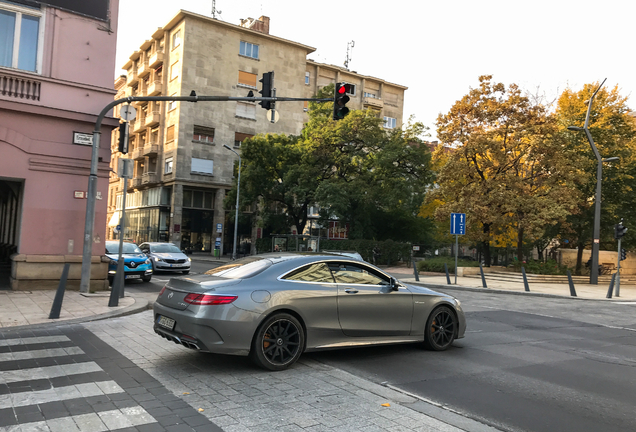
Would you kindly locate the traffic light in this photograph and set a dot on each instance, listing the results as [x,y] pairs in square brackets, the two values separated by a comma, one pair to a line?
[623,254]
[340,100]
[619,231]
[266,90]
[123,137]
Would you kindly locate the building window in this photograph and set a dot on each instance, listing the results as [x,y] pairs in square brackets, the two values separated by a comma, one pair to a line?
[247,79]
[307,78]
[172,104]
[370,95]
[176,39]
[389,122]
[249,50]
[202,166]
[170,133]
[351,89]
[174,70]
[168,166]
[240,137]
[246,110]
[20,38]
[203,134]
[198,199]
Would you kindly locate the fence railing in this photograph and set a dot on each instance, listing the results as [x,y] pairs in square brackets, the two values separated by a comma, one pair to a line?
[20,87]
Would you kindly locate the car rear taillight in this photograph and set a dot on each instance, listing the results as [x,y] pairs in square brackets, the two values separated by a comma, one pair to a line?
[162,290]
[206,299]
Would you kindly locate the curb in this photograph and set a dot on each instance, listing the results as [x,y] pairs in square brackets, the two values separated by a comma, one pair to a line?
[500,291]
[140,305]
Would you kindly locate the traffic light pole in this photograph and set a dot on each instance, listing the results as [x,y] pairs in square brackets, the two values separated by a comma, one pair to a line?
[617,290]
[89,222]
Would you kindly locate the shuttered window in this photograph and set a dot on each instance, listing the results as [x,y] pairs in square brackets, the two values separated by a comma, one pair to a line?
[170,133]
[246,110]
[239,137]
[204,166]
[247,79]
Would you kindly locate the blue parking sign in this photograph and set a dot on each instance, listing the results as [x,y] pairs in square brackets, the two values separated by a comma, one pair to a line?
[458,223]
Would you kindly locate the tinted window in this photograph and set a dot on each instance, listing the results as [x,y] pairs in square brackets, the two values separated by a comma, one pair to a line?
[318,272]
[349,273]
[242,268]
[165,248]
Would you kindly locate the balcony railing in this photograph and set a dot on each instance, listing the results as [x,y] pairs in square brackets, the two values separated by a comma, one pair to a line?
[133,77]
[154,88]
[136,182]
[137,153]
[150,149]
[148,178]
[19,87]
[374,102]
[156,59]
[139,125]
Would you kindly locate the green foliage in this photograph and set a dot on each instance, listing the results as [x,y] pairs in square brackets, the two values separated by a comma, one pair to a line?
[436,264]
[549,267]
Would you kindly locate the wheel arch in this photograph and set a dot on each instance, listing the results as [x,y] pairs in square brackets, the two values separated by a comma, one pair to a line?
[289,311]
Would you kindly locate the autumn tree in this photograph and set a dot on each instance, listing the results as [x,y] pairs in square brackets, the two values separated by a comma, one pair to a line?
[507,167]
[614,134]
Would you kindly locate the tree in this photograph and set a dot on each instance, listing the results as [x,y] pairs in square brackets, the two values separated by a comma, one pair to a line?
[614,133]
[354,169]
[506,167]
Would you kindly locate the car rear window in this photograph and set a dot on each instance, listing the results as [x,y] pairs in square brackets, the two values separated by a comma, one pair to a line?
[241,269]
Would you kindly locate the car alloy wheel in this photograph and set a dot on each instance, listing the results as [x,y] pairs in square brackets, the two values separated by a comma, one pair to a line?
[278,342]
[441,328]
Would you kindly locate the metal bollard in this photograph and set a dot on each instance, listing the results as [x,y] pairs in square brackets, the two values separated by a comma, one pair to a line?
[611,287]
[525,279]
[483,278]
[572,290]
[59,295]
[447,276]
[417,277]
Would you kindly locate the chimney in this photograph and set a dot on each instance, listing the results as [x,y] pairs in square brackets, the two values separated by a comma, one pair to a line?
[260,25]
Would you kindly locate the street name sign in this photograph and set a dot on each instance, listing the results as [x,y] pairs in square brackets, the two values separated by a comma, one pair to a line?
[458,223]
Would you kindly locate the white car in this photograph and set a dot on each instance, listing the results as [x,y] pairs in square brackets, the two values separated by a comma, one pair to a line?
[166,257]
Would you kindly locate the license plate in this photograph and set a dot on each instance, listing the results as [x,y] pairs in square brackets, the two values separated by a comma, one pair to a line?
[133,276]
[165,322]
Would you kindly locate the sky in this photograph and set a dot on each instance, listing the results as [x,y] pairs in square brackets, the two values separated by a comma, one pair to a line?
[438,49]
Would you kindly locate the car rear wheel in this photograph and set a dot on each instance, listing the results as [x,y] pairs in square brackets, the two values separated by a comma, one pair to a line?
[441,328]
[278,342]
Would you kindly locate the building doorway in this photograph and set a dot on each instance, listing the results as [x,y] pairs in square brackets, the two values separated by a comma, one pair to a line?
[10,197]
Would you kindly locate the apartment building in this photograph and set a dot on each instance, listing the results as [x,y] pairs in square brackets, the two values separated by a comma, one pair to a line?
[182,170]
[57,60]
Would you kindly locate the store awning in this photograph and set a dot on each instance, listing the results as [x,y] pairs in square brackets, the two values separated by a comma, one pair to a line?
[114,219]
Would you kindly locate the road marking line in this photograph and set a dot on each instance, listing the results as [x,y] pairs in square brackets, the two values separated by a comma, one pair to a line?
[59,394]
[33,340]
[48,372]
[45,353]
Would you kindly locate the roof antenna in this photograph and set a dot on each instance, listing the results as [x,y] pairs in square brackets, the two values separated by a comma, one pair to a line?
[214,10]
[350,46]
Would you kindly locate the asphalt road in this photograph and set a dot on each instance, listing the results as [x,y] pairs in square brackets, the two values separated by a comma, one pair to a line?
[526,364]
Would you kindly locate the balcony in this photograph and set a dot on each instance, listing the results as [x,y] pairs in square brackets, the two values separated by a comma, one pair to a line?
[153,118]
[156,59]
[137,153]
[373,102]
[136,182]
[19,87]
[139,125]
[154,88]
[133,77]
[143,69]
[150,149]
[149,178]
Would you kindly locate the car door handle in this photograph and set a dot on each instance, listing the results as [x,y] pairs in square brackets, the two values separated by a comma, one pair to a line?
[351,291]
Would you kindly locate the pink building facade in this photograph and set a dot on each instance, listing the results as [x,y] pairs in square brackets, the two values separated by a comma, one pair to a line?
[57,62]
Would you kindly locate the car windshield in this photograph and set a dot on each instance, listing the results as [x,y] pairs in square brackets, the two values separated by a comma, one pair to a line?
[242,268]
[165,248]
[128,248]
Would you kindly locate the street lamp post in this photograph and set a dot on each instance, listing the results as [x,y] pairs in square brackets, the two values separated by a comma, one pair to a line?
[599,176]
[238,189]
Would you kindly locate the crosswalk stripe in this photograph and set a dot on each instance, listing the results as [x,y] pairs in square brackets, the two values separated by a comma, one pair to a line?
[33,340]
[103,421]
[48,372]
[54,352]
[59,394]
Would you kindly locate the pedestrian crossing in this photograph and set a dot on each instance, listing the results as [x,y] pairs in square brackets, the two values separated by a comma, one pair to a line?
[49,384]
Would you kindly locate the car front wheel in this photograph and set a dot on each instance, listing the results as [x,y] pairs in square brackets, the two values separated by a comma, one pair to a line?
[278,342]
[441,328]
[146,278]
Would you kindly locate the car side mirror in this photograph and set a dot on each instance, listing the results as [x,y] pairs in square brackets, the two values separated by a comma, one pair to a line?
[394,284]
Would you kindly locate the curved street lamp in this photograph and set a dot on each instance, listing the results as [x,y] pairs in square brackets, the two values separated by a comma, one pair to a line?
[597,199]
[238,189]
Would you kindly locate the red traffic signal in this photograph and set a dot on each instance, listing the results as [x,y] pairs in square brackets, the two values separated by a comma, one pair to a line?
[340,100]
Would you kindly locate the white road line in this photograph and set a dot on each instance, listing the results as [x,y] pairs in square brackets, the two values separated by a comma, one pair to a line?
[94,422]
[59,394]
[45,353]
[33,340]
[48,372]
